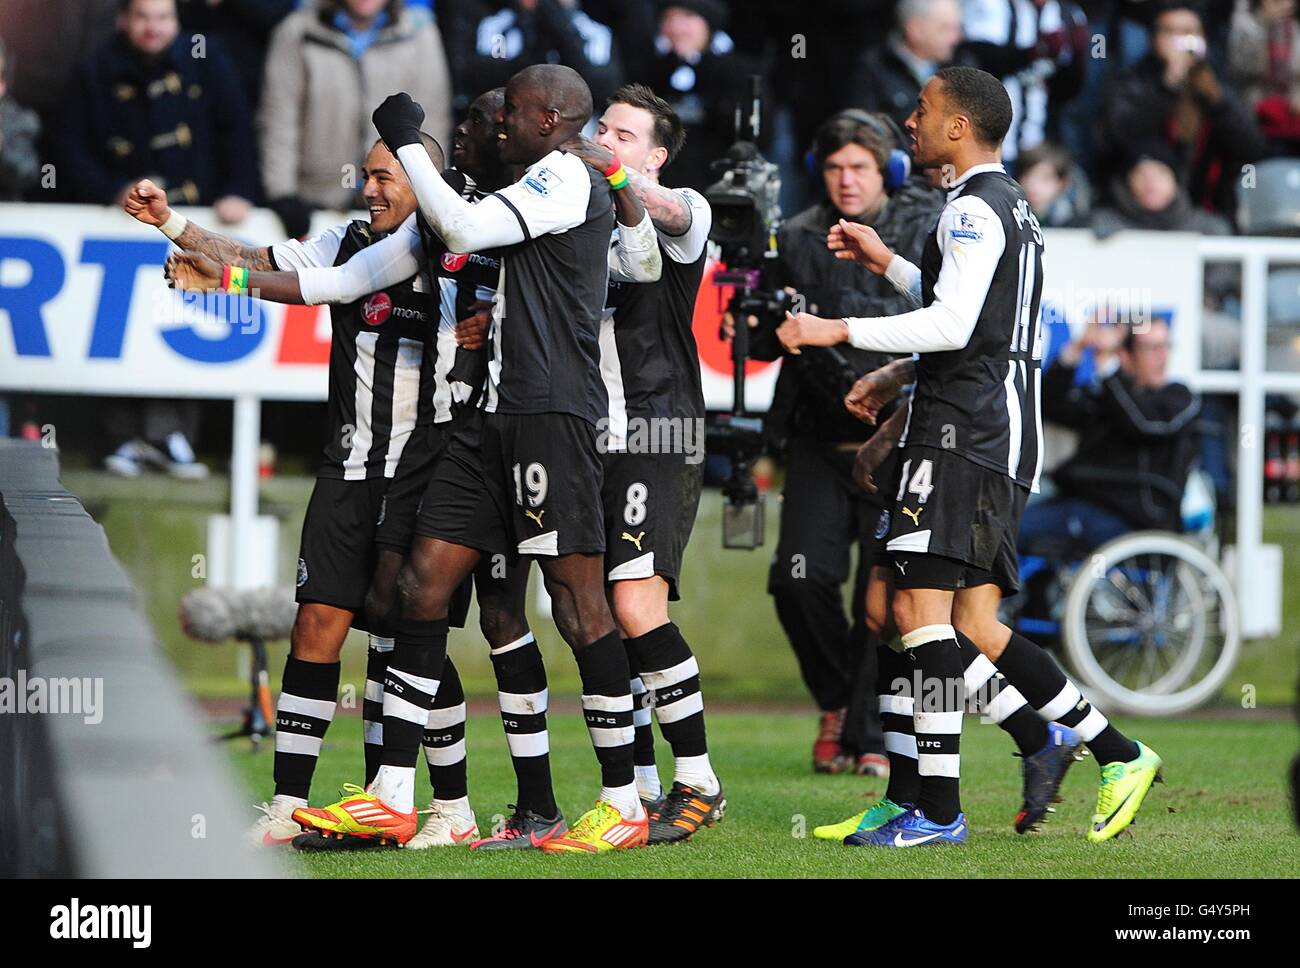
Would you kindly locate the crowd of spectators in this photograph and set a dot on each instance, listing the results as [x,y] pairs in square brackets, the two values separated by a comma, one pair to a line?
[1127,113]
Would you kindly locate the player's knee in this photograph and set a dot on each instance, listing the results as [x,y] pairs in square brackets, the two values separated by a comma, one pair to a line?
[314,638]
[640,606]
[989,635]
[415,595]
[500,622]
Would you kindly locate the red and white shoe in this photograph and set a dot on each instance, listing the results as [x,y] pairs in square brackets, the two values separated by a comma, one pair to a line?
[445,828]
[359,814]
[276,827]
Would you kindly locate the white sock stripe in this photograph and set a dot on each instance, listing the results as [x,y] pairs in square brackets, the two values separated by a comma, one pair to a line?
[603,737]
[641,716]
[316,708]
[938,724]
[400,708]
[297,743]
[977,673]
[928,633]
[1065,700]
[1091,725]
[1006,702]
[445,755]
[374,691]
[522,703]
[939,764]
[372,733]
[898,705]
[676,711]
[518,643]
[444,718]
[423,683]
[529,744]
[607,704]
[902,744]
[381,644]
[672,675]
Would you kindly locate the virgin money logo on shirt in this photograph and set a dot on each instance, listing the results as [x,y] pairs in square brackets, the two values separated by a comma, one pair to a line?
[454,261]
[376,309]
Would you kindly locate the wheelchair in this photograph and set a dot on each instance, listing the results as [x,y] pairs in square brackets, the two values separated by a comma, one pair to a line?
[1147,621]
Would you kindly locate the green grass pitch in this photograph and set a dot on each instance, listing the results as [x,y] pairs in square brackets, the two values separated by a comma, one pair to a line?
[1223,811]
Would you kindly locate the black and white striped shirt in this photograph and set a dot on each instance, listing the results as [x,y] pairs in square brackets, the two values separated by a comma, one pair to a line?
[376,377]
[979,335]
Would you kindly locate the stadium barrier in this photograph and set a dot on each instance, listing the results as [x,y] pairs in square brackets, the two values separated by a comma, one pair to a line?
[105,768]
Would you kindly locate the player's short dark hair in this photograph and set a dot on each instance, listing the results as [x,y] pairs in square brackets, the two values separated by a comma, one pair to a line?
[980,97]
[852,128]
[431,146]
[668,131]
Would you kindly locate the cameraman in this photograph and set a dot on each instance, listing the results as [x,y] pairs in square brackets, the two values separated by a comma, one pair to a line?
[857,157]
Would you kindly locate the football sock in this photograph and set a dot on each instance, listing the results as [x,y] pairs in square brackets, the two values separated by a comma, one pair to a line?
[670,672]
[444,737]
[894,689]
[410,686]
[1057,699]
[937,716]
[522,696]
[607,708]
[643,747]
[308,695]
[990,695]
[372,703]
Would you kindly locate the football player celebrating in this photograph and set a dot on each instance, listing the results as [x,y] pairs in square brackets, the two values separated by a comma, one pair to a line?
[972,451]
[381,416]
[653,469]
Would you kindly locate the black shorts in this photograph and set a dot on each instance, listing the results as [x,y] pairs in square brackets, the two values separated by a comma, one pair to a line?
[954,523]
[455,506]
[336,558]
[650,503]
[543,476]
[402,502]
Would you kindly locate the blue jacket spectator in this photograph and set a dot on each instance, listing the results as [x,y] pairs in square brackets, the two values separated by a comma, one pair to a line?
[161,104]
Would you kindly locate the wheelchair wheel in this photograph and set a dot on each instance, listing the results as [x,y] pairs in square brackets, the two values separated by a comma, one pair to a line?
[1151,624]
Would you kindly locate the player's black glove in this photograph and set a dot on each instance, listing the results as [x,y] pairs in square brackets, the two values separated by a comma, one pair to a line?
[398,121]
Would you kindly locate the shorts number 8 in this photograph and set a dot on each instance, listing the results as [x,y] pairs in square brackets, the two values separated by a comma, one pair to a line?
[635,511]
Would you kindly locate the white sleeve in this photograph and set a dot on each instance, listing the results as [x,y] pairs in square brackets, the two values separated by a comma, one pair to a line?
[689,246]
[971,239]
[463,226]
[321,250]
[906,278]
[386,263]
[552,196]
[634,253]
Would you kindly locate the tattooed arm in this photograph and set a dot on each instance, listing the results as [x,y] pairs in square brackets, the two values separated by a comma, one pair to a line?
[668,209]
[147,203]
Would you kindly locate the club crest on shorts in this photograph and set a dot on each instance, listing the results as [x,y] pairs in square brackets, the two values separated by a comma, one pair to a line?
[302,572]
[376,309]
[454,261]
[882,525]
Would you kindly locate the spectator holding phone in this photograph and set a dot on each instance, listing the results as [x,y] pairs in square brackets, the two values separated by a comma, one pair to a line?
[1175,94]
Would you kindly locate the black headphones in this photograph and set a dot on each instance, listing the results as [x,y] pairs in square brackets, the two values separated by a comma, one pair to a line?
[898,166]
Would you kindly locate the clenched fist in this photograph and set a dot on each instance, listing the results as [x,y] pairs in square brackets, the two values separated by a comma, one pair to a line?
[146,202]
